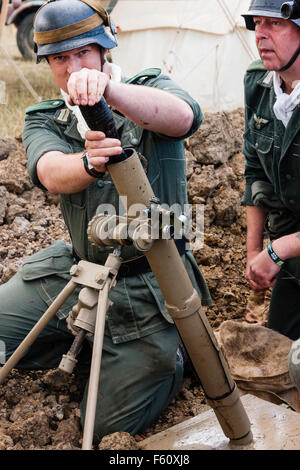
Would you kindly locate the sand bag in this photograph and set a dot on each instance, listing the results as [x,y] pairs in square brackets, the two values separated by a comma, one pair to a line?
[258,361]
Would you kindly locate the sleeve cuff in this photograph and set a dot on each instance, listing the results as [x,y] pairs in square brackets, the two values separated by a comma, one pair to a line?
[247,197]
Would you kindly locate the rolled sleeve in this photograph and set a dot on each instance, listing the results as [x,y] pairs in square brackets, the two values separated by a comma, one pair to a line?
[40,137]
[247,196]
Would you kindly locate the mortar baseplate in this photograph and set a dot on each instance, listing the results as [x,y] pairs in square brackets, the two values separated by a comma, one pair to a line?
[274,427]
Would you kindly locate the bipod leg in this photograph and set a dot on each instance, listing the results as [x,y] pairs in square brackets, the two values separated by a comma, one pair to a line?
[89,422]
[37,329]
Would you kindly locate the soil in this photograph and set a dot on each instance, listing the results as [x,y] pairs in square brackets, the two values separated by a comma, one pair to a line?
[40,409]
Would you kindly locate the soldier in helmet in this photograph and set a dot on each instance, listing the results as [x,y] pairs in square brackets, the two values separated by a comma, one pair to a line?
[272,168]
[141,367]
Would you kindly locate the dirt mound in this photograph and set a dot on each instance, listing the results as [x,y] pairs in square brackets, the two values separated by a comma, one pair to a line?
[30,219]
[37,411]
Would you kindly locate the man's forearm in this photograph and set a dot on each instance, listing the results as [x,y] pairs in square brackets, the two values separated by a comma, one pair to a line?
[62,173]
[255,228]
[151,108]
[288,246]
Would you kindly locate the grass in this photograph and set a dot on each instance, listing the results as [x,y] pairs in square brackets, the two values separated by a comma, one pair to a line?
[16,95]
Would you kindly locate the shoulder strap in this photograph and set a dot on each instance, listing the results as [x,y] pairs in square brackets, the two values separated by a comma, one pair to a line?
[45,106]
[144,75]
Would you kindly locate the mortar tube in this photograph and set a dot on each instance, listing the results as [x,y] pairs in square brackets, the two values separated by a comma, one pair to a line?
[184,305]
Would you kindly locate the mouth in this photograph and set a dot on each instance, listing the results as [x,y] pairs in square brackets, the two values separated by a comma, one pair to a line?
[265,52]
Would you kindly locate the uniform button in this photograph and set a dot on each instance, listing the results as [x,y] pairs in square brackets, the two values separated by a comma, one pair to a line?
[134,141]
[100,184]
[288,177]
[292,201]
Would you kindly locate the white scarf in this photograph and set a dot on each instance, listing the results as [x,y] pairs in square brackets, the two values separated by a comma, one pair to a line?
[82,125]
[285,104]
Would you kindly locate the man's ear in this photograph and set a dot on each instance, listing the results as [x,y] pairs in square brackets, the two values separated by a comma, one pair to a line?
[103,53]
[106,67]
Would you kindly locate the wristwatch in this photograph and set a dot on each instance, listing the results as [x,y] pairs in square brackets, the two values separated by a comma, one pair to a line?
[89,168]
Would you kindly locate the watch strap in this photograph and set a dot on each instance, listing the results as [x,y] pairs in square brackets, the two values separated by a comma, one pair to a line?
[89,168]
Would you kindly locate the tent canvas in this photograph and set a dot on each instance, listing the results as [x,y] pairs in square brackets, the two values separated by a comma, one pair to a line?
[203,46]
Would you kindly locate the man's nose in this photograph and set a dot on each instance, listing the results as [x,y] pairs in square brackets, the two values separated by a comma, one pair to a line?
[74,64]
[261,31]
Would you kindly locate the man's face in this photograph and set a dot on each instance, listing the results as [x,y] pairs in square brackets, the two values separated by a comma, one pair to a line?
[65,63]
[276,40]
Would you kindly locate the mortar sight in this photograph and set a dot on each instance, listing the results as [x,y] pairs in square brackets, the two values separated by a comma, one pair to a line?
[290,10]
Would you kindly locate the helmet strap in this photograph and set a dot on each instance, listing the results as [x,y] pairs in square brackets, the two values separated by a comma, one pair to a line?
[102,57]
[292,60]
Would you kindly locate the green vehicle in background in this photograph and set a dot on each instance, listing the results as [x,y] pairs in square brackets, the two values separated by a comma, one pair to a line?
[21,14]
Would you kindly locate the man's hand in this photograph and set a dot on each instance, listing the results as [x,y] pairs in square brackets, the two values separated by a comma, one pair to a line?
[87,87]
[100,148]
[64,173]
[250,258]
[262,271]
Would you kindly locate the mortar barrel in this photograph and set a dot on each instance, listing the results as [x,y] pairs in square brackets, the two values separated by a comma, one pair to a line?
[184,305]
[131,182]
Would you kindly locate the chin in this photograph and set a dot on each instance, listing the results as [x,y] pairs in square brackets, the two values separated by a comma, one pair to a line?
[269,66]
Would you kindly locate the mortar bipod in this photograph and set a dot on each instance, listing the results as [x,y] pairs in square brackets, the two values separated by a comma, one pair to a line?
[95,278]
[82,318]
[88,320]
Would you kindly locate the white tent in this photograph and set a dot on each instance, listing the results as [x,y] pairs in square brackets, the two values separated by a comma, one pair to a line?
[203,45]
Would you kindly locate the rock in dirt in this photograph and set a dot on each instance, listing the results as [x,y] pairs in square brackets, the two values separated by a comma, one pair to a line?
[68,434]
[7,146]
[20,226]
[33,431]
[218,138]
[3,203]
[5,441]
[118,441]
[203,182]
[226,207]
[13,174]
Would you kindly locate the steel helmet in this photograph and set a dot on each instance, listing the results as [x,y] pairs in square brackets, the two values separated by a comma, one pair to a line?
[269,8]
[62,25]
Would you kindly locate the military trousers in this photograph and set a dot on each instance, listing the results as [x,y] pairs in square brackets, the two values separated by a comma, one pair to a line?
[138,378]
[284,313]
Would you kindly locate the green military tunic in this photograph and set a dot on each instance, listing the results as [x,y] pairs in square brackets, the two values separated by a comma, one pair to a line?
[139,373]
[272,173]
